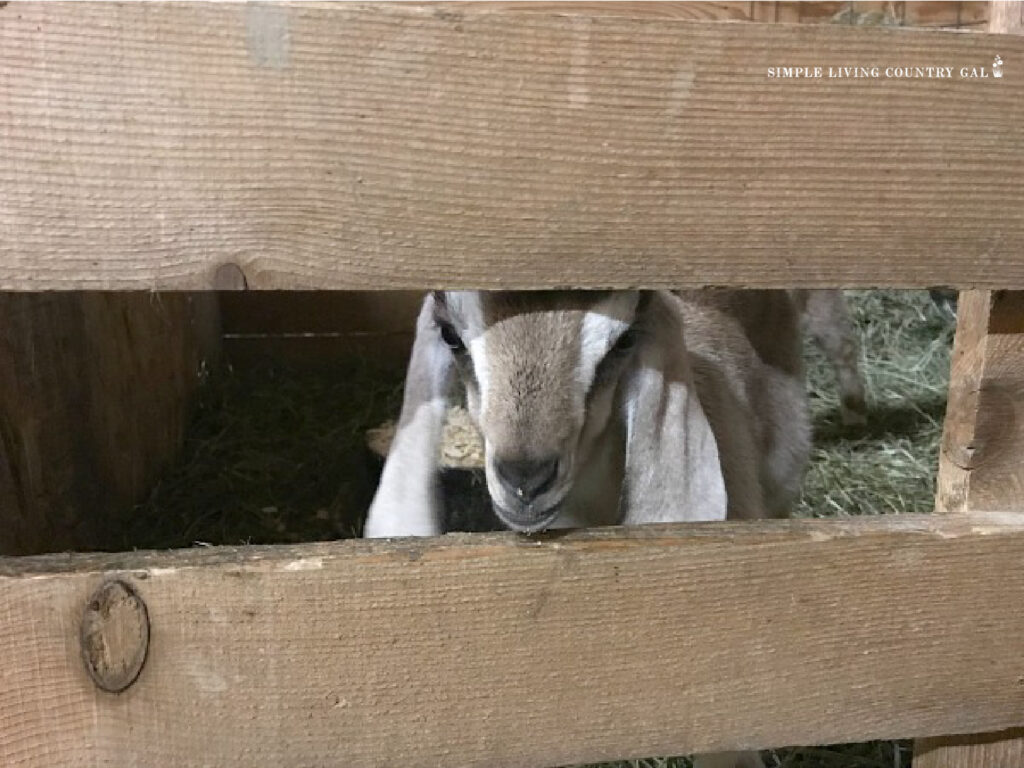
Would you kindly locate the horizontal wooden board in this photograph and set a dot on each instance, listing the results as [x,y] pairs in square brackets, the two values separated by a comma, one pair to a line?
[945,14]
[1003,749]
[148,145]
[513,651]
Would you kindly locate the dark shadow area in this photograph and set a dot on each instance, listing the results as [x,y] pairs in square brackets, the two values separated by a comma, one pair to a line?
[885,421]
[273,455]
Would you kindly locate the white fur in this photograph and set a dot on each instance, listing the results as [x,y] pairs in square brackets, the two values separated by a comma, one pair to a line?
[698,427]
[694,495]
[467,307]
[407,502]
[602,327]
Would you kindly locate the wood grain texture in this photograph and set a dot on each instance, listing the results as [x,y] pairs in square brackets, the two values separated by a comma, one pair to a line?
[1006,17]
[661,9]
[146,145]
[95,392]
[986,459]
[944,14]
[981,462]
[318,329]
[956,456]
[1003,749]
[503,650]
[980,465]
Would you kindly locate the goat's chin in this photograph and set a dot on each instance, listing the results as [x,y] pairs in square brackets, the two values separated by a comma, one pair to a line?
[526,520]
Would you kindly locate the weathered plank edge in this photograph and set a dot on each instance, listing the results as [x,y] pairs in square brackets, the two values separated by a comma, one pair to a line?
[476,545]
[755,252]
[889,649]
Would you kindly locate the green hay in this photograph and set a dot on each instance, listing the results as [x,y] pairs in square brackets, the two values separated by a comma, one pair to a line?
[278,456]
[889,466]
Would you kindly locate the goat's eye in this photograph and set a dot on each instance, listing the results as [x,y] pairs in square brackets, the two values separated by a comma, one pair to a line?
[451,337]
[626,341]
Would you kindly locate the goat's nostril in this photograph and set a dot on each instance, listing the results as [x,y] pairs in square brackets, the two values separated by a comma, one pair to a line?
[526,478]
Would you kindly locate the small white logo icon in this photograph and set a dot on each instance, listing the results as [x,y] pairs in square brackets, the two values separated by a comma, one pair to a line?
[997,67]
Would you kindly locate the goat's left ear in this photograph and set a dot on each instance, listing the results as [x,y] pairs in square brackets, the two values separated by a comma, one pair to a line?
[408,501]
[673,472]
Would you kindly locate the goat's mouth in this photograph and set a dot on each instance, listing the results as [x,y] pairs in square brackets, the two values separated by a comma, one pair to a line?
[528,519]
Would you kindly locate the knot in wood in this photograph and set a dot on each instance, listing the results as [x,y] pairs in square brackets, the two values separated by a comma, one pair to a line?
[115,636]
[229,277]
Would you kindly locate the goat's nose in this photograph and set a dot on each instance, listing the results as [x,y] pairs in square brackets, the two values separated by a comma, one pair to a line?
[526,478]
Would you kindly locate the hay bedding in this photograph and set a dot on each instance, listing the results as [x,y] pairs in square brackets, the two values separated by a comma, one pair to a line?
[280,456]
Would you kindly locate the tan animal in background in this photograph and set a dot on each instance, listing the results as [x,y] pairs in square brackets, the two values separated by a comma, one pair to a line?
[827,320]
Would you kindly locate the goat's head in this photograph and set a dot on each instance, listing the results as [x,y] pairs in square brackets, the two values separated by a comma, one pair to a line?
[540,372]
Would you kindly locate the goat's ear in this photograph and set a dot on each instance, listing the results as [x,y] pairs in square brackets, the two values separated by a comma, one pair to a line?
[408,501]
[673,472]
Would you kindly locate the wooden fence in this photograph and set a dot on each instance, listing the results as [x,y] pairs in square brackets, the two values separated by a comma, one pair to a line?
[190,147]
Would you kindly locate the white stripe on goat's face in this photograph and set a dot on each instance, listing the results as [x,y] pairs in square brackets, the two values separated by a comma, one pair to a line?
[540,370]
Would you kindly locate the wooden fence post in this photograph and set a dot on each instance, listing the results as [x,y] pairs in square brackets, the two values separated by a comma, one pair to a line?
[94,399]
[980,464]
[980,468]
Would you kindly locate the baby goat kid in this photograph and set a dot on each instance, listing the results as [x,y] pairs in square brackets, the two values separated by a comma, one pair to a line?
[601,408]
[604,408]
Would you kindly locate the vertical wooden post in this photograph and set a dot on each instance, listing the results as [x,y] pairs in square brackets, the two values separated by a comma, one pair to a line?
[94,398]
[981,468]
[981,465]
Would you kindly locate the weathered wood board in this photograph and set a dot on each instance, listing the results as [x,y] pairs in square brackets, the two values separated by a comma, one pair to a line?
[148,145]
[312,329]
[982,457]
[1003,749]
[513,651]
[944,14]
[981,464]
[95,394]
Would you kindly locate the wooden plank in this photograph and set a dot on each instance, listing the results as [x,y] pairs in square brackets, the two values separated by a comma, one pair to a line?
[960,424]
[980,463]
[662,9]
[1004,749]
[95,393]
[980,467]
[970,14]
[917,13]
[1006,17]
[471,650]
[759,10]
[147,145]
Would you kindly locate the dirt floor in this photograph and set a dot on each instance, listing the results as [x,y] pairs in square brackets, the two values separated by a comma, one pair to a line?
[277,455]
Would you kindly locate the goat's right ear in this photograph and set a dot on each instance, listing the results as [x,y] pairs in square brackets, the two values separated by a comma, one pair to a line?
[673,472]
[408,500]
